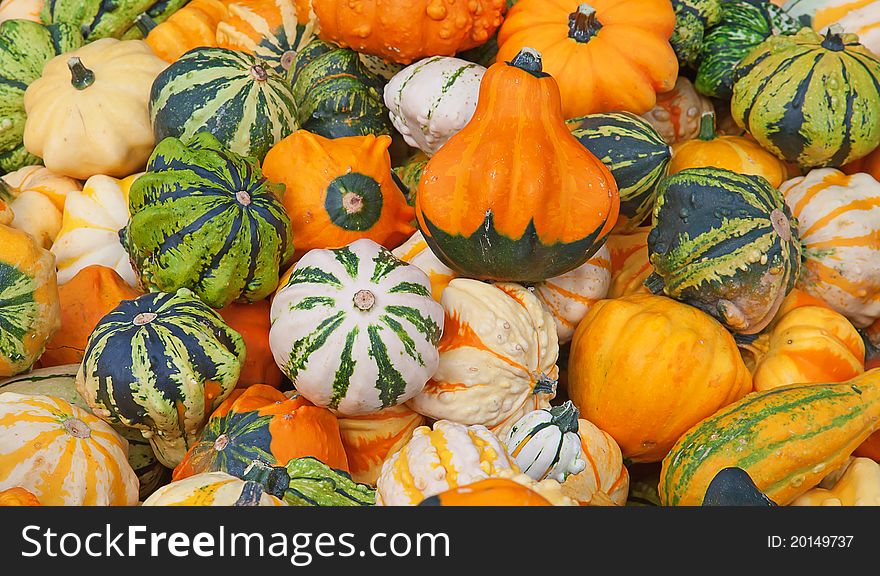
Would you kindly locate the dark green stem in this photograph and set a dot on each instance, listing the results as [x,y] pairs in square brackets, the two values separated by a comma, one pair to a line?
[565,417]
[274,479]
[144,23]
[529,60]
[583,24]
[834,39]
[707,126]
[80,76]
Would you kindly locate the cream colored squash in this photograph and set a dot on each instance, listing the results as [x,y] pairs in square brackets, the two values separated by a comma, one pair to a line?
[371,438]
[416,251]
[88,113]
[605,479]
[212,489]
[676,116]
[21,10]
[858,486]
[36,196]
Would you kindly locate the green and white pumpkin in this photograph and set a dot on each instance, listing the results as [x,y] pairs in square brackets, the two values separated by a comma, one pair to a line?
[206,219]
[356,329]
[812,100]
[233,95]
[725,243]
[860,17]
[692,18]
[545,443]
[635,153]
[161,363]
[107,18]
[336,95]
[25,47]
[313,483]
[432,99]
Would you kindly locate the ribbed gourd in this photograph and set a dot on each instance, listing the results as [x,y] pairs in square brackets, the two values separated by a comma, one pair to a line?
[102,19]
[692,19]
[314,483]
[545,443]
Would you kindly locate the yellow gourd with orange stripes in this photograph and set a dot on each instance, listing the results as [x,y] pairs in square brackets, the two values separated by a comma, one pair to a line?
[212,489]
[630,266]
[605,477]
[371,438]
[415,251]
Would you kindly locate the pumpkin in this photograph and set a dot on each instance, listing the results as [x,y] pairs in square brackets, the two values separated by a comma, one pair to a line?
[738,154]
[692,18]
[744,25]
[18,497]
[811,100]
[859,486]
[870,448]
[404,31]
[488,492]
[437,459]
[605,56]
[98,19]
[21,10]
[90,227]
[733,487]
[605,479]
[795,435]
[497,357]
[839,224]
[639,367]
[633,151]
[261,423]
[630,266]
[480,191]
[193,26]
[676,116]
[252,322]
[214,489]
[859,17]
[36,196]
[355,329]
[370,439]
[869,164]
[545,443]
[726,243]
[344,191]
[63,454]
[205,218]
[161,363]
[415,251]
[313,483]
[233,95]
[432,99]
[25,47]
[60,383]
[408,174]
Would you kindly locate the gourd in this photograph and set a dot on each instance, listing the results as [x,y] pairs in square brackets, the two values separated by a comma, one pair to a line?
[36,195]
[87,113]
[606,56]
[344,192]
[25,47]
[432,99]
[630,264]
[415,251]
[90,227]
[370,439]
[21,10]
[63,454]
[633,151]
[796,434]
[869,164]
[313,483]
[161,363]
[638,369]
[676,116]
[335,93]
[854,16]
[404,31]
[437,459]
[355,329]
[98,19]
[692,18]
[193,26]
[488,492]
[726,243]
[252,322]
[408,174]
[859,486]
[214,489]
[233,95]
[839,225]
[497,357]
[205,218]
[18,497]
[261,423]
[605,480]
[545,443]
[480,191]
[810,100]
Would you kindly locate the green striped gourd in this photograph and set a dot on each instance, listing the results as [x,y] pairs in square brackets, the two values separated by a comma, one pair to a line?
[25,47]
[725,243]
[812,100]
[545,443]
[356,329]
[787,439]
[161,363]
[692,18]
[60,382]
[232,95]
[335,94]
[206,219]
[744,24]
[313,483]
[633,151]
[107,18]
[409,173]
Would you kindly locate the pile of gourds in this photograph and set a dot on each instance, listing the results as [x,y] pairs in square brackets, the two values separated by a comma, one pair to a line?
[427,252]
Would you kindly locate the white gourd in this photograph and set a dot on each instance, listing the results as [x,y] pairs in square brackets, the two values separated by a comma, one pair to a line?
[545,443]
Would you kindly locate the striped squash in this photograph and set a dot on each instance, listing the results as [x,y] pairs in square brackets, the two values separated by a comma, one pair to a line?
[861,17]
[545,443]
[415,251]
[408,174]
[633,151]
[103,18]
[787,439]
[605,477]
[630,264]
[370,439]
[725,243]
[232,95]
[63,454]
[356,329]
[692,18]
[335,94]
[811,100]
[206,219]
[313,483]
[213,489]
[60,382]
[839,226]
[161,363]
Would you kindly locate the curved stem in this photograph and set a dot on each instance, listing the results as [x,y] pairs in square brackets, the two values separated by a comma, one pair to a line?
[80,76]
[144,23]
[565,417]
[529,60]
[583,23]
[273,479]
[707,126]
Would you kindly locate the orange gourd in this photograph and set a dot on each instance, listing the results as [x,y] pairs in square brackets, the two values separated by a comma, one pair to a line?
[630,266]
[252,322]
[870,448]
[488,492]
[193,26]
[18,497]
[870,164]
[371,438]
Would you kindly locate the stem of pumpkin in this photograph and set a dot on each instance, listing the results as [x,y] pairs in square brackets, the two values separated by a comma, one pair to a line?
[529,60]
[707,126]
[274,479]
[364,300]
[565,416]
[583,23]
[80,76]
[258,72]
[144,23]
[834,39]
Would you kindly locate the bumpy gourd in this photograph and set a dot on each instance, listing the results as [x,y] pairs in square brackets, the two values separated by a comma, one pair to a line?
[36,195]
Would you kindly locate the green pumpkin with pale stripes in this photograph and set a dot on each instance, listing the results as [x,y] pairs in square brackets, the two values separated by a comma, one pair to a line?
[692,18]
[725,243]
[107,18]
[235,96]
[206,219]
[408,174]
[161,363]
[633,151]
[811,99]
[313,483]
[356,329]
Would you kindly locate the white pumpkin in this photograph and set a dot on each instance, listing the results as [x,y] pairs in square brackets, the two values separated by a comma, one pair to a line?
[429,101]
[90,229]
[545,443]
[36,196]
[356,329]
[416,252]
[212,489]
[861,17]
[21,10]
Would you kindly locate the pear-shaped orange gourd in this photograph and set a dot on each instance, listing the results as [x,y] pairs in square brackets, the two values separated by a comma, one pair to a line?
[514,196]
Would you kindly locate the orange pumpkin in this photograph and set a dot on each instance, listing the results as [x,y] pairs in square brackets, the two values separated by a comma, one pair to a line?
[252,322]
[629,262]
[193,26]
[488,492]
[870,164]
[339,190]
[371,438]
[18,497]
[870,448]
[608,55]
[406,30]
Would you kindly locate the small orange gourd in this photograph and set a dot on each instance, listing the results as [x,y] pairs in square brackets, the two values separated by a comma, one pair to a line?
[252,322]
[193,26]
